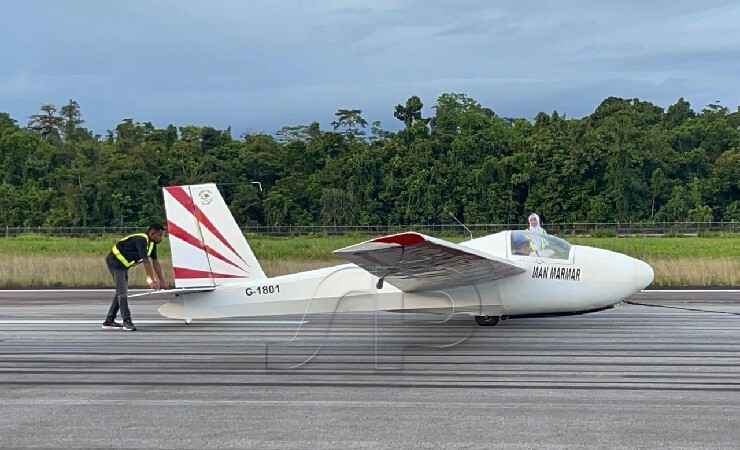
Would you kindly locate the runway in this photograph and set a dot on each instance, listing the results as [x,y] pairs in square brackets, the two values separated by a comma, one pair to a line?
[660,376]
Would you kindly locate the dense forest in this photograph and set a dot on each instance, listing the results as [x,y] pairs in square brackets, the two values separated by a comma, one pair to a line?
[628,161]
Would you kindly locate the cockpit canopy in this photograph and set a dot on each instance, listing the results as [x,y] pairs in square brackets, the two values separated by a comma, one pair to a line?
[526,243]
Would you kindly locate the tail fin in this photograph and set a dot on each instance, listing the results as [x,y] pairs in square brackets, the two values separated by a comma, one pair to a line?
[208,248]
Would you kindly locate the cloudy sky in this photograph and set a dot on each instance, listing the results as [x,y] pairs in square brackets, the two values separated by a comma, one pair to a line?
[260,64]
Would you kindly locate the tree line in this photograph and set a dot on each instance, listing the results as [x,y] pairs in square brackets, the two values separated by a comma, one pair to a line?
[630,160]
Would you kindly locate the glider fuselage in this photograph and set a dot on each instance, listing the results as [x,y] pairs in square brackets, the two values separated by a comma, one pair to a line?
[593,279]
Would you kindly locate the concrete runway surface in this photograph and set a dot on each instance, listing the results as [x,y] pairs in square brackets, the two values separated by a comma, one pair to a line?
[662,376]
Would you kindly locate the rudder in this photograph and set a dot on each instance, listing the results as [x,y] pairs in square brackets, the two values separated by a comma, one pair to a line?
[208,247]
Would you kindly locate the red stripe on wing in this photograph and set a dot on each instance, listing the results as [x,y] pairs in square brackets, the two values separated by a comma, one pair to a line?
[183,273]
[401,239]
[179,194]
[183,235]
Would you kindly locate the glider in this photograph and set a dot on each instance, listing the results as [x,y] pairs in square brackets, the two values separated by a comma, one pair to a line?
[496,276]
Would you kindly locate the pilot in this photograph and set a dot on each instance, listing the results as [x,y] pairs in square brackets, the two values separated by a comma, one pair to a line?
[535,227]
[535,224]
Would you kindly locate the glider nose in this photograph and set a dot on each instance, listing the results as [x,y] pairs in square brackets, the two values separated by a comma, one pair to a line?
[643,274]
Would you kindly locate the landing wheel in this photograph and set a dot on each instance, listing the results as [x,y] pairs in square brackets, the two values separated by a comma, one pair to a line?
[486,321]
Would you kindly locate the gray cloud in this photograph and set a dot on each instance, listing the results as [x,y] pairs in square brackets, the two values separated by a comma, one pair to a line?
[263,64]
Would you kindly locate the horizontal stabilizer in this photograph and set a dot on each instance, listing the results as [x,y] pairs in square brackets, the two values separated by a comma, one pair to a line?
[171,293]
[416,262]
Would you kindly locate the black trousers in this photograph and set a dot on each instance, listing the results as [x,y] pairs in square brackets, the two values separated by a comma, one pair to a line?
[120,300]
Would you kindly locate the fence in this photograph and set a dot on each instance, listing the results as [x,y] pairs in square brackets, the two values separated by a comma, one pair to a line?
[563,229]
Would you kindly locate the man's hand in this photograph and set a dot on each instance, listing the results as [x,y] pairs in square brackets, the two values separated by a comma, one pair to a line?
[153,284]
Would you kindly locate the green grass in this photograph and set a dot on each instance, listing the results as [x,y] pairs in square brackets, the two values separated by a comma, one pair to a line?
[38,245]
[321,247]
[304,247]
[41,261]
[727,246]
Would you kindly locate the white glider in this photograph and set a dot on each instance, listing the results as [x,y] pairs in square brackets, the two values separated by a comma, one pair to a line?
[500,275]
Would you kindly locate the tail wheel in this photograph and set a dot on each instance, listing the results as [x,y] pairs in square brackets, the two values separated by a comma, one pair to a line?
[486,321]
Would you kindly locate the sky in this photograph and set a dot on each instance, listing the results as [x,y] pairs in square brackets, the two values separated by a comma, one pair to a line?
[259,65]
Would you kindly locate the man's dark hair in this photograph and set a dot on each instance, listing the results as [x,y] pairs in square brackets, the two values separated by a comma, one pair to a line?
[155,227]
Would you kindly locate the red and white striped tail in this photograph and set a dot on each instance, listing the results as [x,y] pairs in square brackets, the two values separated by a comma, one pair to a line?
[208,248]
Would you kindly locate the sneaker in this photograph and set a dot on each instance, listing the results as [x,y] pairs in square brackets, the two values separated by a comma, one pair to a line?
[112,325]
[128,326]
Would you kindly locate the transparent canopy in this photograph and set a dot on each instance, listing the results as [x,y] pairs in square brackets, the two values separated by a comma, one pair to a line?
[525,243]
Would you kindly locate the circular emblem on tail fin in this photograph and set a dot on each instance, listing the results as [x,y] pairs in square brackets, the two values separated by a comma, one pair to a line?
[206,197]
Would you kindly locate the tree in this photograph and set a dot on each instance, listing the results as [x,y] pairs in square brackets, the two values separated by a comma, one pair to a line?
[448,112]
[724,183]
[48,124]
[211,138]
[292,133]
[10,209]
[71,121]
[598,210]
[411,112]
[629,160]
[276,207]
[676,208]
[657,186]
[246,204]
[698,212]
[350,119]
[7,123]
[338,207]
[678,113]
[732,212]
[379,134]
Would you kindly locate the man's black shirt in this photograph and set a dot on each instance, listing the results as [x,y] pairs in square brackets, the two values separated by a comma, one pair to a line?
[133,249]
